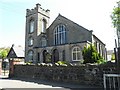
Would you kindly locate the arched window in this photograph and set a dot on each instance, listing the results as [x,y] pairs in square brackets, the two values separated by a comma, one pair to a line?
[30,55]
[30,41]
[76,54]
[43,42]
[31,26]
[44,22]
[60,35]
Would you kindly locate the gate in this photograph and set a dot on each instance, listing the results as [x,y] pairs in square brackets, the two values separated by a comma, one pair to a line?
[111,81]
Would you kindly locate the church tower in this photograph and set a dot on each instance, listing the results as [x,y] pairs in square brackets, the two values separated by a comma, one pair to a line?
[37,20]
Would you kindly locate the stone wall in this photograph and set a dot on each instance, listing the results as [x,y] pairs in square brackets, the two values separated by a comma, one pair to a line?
[83,74]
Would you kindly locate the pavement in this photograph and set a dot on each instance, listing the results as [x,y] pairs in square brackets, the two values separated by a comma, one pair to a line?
[24,84]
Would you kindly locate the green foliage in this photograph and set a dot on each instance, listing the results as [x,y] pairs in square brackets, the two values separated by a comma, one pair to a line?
[62,63]
[4,52]
[28,63]
[113,57]
[101,61]
[90,54]
[115,16]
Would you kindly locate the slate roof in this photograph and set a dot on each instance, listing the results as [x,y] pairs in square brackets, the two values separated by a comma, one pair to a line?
[98,39]
[68,21]
[16,52]
[19,51]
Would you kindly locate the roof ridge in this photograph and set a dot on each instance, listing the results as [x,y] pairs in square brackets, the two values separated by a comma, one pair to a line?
[74,22]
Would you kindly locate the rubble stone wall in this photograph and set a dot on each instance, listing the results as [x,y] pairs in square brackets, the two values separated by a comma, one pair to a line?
[83,74]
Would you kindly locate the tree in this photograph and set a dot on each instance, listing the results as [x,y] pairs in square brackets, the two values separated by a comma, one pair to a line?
[90,54]
[3,52]
[115,16]
[113,56]
[116,22]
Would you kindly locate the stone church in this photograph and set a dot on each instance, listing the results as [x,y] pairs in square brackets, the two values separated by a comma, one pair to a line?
[63,40]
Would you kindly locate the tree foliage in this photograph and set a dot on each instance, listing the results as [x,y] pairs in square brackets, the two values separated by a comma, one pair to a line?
[115,16]
[113,56]
[3,52]
[90,54]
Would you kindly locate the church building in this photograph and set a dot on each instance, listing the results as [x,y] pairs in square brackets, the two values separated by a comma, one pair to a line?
[63,40]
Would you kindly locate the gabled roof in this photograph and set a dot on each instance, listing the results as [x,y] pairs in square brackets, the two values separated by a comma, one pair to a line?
[74,27]
[69,22]
[98,39]
[16,52]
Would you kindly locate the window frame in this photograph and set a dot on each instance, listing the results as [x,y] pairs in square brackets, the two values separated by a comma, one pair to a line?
[43,42]
[31,25]
[77,51]
[30,55]
[30,41]
[60,34]
[44,25]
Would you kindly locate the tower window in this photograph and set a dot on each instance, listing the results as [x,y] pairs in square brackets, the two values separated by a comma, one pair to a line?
[31,27]
[30,55]
[44,22]
[30,41]
[43,42]
[60,35]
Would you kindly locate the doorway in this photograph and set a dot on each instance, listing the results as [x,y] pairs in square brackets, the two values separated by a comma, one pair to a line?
[55,56]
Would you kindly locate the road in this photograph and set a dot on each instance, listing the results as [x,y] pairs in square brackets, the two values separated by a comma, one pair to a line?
[7,84]
[12,83]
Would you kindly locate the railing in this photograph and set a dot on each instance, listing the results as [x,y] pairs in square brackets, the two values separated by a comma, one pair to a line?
[111,81]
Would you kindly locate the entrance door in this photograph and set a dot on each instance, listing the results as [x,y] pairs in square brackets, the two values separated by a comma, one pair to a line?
[55,56]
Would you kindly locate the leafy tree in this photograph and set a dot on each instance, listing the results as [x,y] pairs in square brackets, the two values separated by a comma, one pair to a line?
[3,52]
[115,16]
[90,54]
[113,56]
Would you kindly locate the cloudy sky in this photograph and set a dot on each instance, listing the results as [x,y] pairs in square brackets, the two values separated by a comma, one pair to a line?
[91,14]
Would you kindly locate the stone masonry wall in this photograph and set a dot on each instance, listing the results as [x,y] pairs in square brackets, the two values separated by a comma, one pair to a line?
[84,74]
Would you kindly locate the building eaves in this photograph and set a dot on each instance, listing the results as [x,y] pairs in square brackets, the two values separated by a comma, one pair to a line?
[98,39]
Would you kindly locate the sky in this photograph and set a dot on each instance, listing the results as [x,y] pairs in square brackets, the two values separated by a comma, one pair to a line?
[91,14]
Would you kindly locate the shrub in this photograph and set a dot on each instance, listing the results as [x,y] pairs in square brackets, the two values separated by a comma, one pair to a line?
[101,61]
[28,63]
[90,54]
[62,63]
[113,57]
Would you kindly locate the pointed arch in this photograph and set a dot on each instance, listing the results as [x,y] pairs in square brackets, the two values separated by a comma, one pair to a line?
[55,56]
[44,56]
